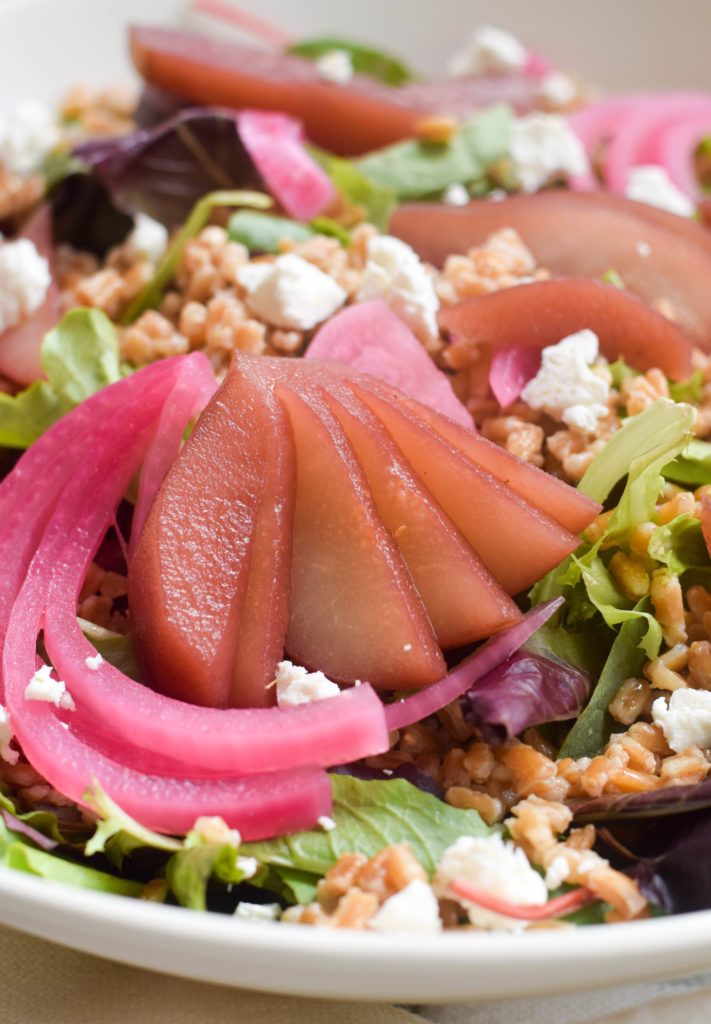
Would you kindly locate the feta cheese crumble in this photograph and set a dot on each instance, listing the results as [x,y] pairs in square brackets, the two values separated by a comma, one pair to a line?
[558,89]
[566,387]
[297,686]
[42,687]
[27,134]
[326,823]
[149,238]
[214,829]
[290,292]
[24,281]
[249,866]
[685,720]
[558,871]
[489,49]
[93,662]
[499,868]
[258,911]
[335,66]
[455,195]
[652,185]
[545,148]
[394,273]
[7,753]
[412,909]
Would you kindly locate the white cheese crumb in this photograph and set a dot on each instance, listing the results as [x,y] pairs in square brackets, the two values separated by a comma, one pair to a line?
[644,249]
[214,829]
[290,292]
[412,909]
[249,866]
[6,735]
[149,238]
[686,719]
[326,823]
[27,134]
[93,661]
[393,272]
[558,89]
[544,148]
[455,195]
[558,871]
[335,66]
[652,185]
[297,686]
[565,386]
[258,911]
[489,49]
[499,868]
[24,281]
[42,687]
[407,647]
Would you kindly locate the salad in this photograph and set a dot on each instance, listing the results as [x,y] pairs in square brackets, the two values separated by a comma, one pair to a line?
[356,489]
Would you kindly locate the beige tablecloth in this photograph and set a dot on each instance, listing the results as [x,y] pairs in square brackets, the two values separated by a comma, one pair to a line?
[41,983]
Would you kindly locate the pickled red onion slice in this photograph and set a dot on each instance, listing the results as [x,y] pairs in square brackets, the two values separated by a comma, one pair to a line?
[483,660]
[260,806]
[510,371]
[274,142]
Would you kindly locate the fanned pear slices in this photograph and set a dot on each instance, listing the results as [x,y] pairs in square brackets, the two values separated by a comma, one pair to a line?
[319,512]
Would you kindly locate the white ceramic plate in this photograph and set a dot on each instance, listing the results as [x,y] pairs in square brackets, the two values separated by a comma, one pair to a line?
[45,45]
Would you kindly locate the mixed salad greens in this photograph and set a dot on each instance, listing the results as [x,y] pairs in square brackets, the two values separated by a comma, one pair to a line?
[187,164]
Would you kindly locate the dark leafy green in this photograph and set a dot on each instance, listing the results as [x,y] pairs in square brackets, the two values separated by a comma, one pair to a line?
[163,171]
[593,726]
[365,60]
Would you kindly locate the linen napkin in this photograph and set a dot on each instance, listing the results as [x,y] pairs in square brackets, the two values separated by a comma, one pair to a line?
[42,983]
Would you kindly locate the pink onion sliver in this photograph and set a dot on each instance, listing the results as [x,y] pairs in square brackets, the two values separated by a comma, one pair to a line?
[510,371]
[675,147]
[537,65]
[372,339]
[194,386]
[274,142]
[460,679]
[635,133]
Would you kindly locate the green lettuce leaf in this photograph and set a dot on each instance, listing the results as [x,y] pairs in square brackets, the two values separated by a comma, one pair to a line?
[365,60]
[369,816]
[190,871]
[79,356]
[693,467]
[377,201]
[262,232]
[415,170]
[680,545]
[116,648]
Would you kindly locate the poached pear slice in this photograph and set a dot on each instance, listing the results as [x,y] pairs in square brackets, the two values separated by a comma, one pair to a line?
[516,541]
[209,581]
[354,613]
[463,600]
[568,506]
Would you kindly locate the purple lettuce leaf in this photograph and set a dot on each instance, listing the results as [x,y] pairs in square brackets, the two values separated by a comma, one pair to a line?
[527,689]
[415,776]
[15,824]
[165,169]
[671,865]
[650,804]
